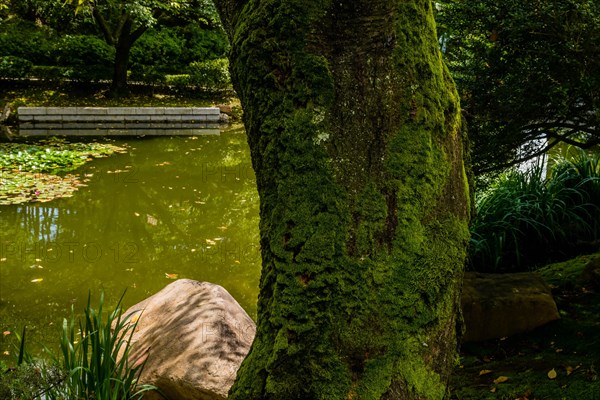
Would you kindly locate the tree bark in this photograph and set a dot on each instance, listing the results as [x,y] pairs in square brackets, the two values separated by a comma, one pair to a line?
[355,133]
[118,85]
[125,40]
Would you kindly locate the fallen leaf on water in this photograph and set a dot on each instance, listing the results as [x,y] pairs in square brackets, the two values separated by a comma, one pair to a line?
[171,276]
[552,374]
[500,379]
[36,280]
[482,372]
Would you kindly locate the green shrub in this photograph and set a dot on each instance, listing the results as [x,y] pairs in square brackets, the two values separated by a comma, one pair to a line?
[29,381]
[212,74]
[180,81]
[169,50]
[155,54]
[86,58]
[24,39]
[203,44]
[49,72]
[14,67]
[146,73]
[523,221]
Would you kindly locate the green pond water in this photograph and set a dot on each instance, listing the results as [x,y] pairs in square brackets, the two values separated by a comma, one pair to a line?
[172,207]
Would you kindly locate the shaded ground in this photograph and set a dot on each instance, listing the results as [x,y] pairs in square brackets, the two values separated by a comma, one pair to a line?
[558,361]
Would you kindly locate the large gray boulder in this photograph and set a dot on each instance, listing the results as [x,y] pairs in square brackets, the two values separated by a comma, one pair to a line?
[193,337]
[499,305]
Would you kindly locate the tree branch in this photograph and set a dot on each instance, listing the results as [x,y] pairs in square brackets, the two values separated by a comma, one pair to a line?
[563,124]
[137,33]
[519,160]
[108,36]
[125,21]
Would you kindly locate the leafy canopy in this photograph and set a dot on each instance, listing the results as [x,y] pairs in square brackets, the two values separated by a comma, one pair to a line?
[528,72]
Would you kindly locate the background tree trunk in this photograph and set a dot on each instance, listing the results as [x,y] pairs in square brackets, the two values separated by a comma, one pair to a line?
[354,129]
[118,85]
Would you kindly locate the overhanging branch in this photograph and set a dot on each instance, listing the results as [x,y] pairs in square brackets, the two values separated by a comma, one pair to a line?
[108,36]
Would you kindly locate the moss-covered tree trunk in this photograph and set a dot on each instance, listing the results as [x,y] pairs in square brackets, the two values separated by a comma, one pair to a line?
[354,130]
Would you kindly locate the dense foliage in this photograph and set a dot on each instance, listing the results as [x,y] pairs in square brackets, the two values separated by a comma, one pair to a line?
[524,220]
[527,71]
[61,43]
[14,67]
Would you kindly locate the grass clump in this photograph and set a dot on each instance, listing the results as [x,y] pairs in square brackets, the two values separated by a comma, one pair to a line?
[93,362]
[525,220]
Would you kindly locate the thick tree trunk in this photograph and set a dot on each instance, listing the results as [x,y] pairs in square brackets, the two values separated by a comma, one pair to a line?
[118,86]
[127,36]
[354,129]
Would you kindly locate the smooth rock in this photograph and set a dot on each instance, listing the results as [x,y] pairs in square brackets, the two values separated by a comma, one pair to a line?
[225,109]
[499,305]
[193,337]
[224,118]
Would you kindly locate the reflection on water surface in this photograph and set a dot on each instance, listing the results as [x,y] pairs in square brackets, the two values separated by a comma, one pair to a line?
[173,207]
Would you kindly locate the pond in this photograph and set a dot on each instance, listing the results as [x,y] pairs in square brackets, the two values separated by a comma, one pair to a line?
[171,207]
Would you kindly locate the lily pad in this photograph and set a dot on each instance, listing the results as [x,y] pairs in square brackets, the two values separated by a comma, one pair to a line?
[28,171]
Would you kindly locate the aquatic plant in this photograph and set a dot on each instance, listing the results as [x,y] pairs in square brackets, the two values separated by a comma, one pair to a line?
[97,356]
[52,155]
[93,362]
[28,172]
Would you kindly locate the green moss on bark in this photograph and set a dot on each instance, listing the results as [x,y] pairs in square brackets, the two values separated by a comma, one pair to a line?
[354,128]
